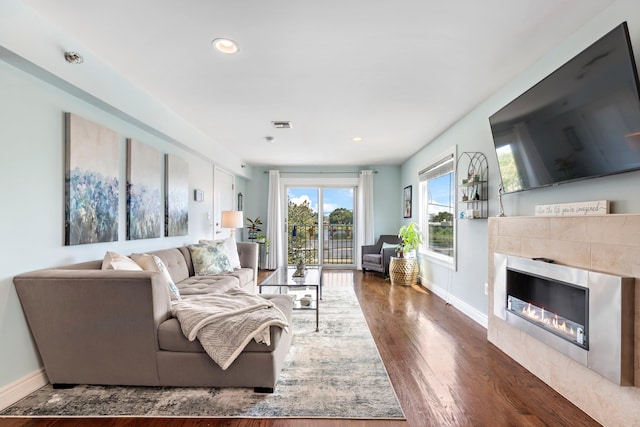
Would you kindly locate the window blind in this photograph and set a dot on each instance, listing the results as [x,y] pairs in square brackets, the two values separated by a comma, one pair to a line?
[439,168]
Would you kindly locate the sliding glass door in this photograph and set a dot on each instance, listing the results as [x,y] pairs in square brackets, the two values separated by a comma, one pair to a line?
[320,226]
[301,229]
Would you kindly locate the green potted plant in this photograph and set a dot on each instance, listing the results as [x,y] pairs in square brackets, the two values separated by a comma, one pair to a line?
[254,227]
[403,270]
[411,239]
[262,239]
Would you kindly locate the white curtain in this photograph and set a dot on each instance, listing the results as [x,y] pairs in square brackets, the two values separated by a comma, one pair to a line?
[365,234]
[274,222]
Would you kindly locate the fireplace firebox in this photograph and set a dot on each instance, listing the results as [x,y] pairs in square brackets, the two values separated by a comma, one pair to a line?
[558,307]
[585,315]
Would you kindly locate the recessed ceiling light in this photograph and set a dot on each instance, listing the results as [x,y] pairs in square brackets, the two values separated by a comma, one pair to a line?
[227,46]
[357,139]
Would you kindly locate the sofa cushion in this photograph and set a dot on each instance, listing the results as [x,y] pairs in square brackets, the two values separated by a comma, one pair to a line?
[199,285]
[154,263]
[210,258]
[372,258]
[245,277]
[171,338]
[116,261]
[175,262]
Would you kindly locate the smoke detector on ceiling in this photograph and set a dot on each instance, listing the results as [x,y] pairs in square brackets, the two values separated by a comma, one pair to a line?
[282,124]
[73,58]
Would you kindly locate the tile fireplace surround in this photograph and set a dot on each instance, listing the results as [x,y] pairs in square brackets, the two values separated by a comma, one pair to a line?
[609,243]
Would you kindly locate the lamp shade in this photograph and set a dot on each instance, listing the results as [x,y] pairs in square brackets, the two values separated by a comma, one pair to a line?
[231,219]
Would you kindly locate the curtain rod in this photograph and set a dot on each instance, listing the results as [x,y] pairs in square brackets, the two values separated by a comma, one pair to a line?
[321,172]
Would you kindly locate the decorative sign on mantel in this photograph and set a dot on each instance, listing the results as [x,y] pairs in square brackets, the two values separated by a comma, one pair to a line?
[595,207]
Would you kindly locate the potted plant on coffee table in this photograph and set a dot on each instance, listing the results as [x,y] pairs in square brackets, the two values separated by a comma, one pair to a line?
[403,269]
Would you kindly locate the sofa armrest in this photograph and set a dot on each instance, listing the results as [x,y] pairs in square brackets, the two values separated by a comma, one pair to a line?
[248,253]
[368,249]
[96,326]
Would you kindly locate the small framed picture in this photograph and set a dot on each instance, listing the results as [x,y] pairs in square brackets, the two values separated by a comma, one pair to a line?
[406,204]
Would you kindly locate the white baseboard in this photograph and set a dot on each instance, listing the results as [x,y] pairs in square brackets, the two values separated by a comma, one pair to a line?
[22,387]
[469,311]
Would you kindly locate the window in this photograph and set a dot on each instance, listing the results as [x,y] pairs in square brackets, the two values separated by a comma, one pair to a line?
[437,208]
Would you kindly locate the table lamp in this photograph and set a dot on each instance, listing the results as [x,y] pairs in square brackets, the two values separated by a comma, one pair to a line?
[232,220]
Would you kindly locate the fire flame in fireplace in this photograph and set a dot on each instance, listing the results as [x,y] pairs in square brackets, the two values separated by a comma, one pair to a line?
[538,314]
[568,329]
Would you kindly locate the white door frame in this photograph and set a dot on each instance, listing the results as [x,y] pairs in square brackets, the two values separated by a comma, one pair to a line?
[223,199]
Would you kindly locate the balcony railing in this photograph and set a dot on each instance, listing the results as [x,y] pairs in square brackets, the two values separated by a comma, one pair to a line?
[337,243]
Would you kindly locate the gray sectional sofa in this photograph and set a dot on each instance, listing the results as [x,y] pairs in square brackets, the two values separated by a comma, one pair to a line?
[94,326]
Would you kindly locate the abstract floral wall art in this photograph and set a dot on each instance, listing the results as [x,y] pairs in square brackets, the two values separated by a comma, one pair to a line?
[144,191]
[176,196]
[91,182]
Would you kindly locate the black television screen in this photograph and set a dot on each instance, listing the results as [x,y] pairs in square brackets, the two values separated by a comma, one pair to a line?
[582,121]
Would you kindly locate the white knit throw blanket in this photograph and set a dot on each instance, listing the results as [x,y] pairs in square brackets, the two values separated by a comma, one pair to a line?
[226,322]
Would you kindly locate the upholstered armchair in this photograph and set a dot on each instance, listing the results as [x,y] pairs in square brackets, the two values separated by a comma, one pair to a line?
[375,258]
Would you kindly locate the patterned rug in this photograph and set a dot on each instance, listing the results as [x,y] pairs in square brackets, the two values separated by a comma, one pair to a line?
[334,373]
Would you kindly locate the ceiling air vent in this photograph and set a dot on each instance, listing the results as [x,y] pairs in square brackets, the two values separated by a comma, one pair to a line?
[283,124]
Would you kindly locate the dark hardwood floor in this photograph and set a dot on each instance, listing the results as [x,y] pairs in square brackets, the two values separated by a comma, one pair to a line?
[442,367]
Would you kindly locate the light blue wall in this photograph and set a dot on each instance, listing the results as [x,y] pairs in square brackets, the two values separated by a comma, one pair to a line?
[255,202]
[386,198]
[472,133]
[32,199]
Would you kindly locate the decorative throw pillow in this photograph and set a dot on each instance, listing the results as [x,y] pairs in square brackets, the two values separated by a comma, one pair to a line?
[210,259]
[386,245]
[232,250]
[116,261]
[154,263]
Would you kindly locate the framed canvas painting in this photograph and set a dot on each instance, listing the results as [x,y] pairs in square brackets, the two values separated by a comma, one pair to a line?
[407,201]
[92,161]
[176,196]
[144,191]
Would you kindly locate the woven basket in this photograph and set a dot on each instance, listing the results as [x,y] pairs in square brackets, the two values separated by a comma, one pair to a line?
[403,271]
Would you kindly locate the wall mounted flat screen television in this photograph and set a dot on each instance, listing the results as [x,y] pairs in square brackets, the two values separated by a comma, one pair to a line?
[582,121]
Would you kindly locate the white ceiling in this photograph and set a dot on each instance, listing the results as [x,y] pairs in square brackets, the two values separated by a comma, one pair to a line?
[396,73]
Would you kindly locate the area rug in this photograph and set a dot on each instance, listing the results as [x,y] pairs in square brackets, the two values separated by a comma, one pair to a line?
[334,373]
